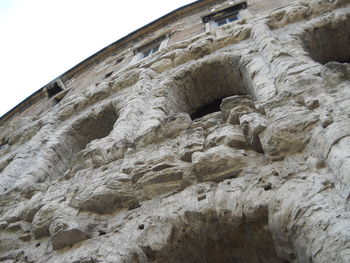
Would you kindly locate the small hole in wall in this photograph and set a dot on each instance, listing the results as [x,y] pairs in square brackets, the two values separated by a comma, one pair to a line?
[101,233]
[268,187]
[4,143]
[119,60]
[53,90]
[142,226]
[37,245]
[57,100]
[108,74]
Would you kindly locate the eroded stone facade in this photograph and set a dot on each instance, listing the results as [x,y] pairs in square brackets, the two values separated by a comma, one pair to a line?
[229,144]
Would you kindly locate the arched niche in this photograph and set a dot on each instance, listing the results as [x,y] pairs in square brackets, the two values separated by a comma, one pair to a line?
[328,40]
[199,88]
[94,124]
[213,237]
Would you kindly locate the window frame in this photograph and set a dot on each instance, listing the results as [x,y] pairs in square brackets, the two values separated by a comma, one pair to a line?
[211,20]
[150,48]
[226,19]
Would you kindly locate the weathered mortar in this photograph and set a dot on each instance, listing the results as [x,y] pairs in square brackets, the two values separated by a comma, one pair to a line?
[227,145]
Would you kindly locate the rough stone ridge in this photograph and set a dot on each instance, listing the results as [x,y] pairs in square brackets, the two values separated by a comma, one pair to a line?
[129,170]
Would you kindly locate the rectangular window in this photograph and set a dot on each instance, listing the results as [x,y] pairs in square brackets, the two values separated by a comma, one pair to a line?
[224,16]
[150,48]
[226,19]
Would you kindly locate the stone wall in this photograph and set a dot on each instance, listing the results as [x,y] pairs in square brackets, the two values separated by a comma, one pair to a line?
[228,146]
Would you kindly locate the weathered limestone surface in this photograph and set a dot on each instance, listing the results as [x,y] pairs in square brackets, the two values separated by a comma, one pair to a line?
[124,172]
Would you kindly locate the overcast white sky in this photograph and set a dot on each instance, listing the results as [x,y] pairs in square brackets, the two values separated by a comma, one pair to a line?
[41,39]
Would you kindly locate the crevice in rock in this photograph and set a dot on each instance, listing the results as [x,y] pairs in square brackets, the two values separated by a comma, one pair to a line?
[199,88]
[329,42]
[211,237]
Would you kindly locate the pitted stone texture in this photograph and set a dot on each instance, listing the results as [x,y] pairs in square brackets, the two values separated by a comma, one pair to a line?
[66,229]
[230,135]
[42,220]
[104,191]
[125,170]
[287,133]
[220,163]
[252,125]
[234,107]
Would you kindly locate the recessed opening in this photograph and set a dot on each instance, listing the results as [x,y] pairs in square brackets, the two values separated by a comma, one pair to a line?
[3,143]
[58,99]
[151,47]
[101,232]
[150,50]
[94,127]
[199,89]
[227,19]
[53,90]
[267,187]
[98,124]
[226,15]
[108,74]
[207,109]
[4,140]
[215,238]
[119,60]
[329,42]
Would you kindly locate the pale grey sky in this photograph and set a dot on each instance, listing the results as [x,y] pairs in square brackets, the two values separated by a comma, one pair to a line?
[41,39]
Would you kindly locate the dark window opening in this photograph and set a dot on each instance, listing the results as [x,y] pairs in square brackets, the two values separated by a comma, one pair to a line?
[207,109]
[225,16]
[226,20]
[150,50]
[53,90]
